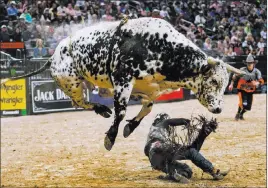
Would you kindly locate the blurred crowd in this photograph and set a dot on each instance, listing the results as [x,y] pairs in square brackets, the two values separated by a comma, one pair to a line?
[228,27]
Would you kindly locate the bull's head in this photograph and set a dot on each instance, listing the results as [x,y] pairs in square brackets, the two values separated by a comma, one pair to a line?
[214,80]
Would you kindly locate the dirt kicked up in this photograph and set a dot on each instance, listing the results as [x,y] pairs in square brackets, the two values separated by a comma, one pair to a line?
[66,149]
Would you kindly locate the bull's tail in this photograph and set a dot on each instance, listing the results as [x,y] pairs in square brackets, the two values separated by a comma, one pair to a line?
[43,68]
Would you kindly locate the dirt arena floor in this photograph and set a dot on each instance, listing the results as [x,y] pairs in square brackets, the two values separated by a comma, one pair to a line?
[66,149]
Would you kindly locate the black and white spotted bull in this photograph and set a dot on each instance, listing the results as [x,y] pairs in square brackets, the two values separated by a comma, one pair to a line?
[144,57]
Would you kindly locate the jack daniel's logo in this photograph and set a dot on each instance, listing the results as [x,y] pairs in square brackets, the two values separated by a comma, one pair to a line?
[50,95]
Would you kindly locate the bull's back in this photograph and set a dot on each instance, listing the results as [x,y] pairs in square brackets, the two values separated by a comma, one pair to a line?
[144,45]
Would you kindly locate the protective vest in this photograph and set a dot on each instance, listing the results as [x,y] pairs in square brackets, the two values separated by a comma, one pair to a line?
[246,81]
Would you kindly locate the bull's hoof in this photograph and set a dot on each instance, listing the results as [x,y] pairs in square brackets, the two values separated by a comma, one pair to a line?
[127,131]
[130,127]
[108,144]
[103,110]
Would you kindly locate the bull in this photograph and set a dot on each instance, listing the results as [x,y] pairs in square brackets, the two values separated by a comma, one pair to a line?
[144,57]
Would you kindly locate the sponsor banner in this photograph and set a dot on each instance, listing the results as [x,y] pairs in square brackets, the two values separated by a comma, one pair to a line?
[175,95]
[48,97]
[13,112]
[13,95]
[11,45]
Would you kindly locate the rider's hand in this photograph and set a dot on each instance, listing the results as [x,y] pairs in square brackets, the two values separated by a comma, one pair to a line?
[256,83]
[230,87]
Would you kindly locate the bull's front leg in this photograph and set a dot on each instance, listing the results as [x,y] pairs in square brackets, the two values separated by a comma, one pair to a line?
[122,90]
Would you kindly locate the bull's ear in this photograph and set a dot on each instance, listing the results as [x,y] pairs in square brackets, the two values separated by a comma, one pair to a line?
[206,68]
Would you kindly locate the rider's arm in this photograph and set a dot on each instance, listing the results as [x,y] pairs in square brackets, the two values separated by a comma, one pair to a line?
[175,122]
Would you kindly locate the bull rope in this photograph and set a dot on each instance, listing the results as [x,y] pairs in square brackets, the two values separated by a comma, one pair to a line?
[123,22]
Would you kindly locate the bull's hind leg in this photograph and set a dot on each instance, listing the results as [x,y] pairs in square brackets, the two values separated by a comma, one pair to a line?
[74,89]
[150,93]
[134,123]
[123,86]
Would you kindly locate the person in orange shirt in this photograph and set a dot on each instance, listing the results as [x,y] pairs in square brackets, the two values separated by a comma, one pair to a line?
[246,86]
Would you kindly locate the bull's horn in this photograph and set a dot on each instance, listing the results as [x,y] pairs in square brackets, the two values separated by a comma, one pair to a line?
[212,61]
[232,69]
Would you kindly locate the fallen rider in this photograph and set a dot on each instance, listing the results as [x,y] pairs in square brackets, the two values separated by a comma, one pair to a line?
[164,151]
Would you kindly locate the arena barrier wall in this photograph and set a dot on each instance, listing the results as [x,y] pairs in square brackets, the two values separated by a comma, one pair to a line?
[45,96]
[39,94]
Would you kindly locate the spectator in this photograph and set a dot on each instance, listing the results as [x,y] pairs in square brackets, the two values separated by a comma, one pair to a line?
[37,31]
[164,13]
[3,11]
[12,10]
[156,13]
[21,24]
[10,28]
[200,19]
[234,39]
[147,12]
[238,50]
[200,33]
[4,36]
[231,20]
[248,43]
[114,10]
[240,32]
[69,10]
[26,34]
[247,29]
[39,50]
[80,3]
[226,42]
[26,15]
[250,38]
[220,33]
[231,52]
[53,12]
[17,35]
[61,10]
[77,11]
[263,34]
[261,45]
[210,22]
[102,10]
[45,17]
[107,16]
[224,22]
[220,46]
[190,33]
[20,7]
[207,44]
[226,51]
[122,8]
